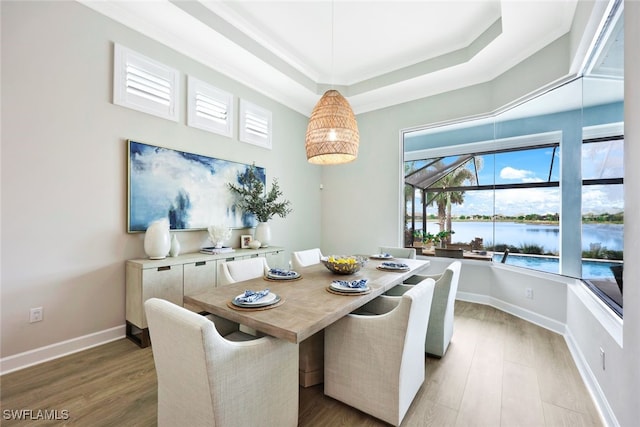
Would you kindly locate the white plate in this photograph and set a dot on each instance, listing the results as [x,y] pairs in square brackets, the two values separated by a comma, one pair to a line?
[381,256]
[392,268]
[340,288]
[278,277]
[265,300]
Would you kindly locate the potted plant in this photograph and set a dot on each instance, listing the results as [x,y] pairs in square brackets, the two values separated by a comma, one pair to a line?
[443,235]
[253,198]
[429,240]
[417,238]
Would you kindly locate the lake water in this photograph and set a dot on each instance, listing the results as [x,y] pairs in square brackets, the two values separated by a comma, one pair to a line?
[519,234]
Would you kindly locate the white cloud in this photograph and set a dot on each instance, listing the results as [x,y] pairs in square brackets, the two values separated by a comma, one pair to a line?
[600,199]
[521,174]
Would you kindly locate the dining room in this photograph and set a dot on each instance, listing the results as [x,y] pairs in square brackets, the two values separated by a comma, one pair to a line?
[495,370]
[65,190]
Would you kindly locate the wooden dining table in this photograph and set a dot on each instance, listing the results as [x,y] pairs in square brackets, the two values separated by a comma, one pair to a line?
[306,306]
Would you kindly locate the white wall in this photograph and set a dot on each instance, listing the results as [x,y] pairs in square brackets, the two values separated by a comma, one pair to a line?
[629,374]
[590,331]
[64,182]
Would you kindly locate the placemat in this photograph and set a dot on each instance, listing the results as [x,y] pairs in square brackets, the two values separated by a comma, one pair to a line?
[349,294]
[267,307]
[269,279]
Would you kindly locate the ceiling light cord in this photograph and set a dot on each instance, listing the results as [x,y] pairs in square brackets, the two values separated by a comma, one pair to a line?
[333,17]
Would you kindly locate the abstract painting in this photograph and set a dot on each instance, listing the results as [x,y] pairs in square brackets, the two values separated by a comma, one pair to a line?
[190,190]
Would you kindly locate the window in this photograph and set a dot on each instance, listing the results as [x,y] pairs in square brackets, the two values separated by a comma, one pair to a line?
[491,200]
[209,108]
[552,163]
[255,124]
[603,217]
[145,85]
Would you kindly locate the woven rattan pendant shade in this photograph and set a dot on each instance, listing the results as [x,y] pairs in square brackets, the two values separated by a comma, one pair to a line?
[332,134]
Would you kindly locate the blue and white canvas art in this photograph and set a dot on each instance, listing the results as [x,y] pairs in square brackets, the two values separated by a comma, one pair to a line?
[190,190]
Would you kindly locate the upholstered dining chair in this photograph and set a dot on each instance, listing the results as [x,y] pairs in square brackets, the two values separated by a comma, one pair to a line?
[375,362]
[242,269]
[441,317]
[305,258]
[399,252]
[207,380]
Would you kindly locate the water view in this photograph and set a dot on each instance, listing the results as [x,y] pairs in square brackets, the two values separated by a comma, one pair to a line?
[519,234]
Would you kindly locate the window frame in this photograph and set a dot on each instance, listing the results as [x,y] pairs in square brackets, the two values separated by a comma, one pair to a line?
[261,118]
[200,92]
[157,91]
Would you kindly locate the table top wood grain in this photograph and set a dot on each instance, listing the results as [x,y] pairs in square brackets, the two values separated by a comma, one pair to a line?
[308,307]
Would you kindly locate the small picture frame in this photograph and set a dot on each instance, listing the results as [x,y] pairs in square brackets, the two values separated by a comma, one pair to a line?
[245,239]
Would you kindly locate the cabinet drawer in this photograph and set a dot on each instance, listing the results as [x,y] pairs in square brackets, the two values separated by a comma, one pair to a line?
[199,276]
[163,282]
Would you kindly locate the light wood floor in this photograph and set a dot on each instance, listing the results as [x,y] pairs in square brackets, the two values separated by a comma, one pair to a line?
[499,371]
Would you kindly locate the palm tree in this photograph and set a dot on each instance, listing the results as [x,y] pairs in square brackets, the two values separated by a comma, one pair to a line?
[409,193]
[445,199]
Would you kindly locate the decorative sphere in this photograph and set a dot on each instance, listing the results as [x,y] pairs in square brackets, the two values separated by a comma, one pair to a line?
[255,244]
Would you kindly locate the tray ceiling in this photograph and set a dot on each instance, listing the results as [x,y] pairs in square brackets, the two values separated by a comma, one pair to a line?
[377,53]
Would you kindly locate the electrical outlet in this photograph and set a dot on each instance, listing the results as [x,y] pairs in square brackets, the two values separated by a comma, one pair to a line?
[528,292]
[602,357]
[36,314]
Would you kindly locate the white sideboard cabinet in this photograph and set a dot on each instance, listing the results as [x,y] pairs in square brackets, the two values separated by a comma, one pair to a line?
[174,277]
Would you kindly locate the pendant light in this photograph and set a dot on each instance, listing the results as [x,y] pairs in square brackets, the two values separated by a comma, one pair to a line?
[332,134]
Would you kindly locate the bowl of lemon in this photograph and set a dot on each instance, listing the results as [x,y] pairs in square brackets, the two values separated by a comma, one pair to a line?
[344,264]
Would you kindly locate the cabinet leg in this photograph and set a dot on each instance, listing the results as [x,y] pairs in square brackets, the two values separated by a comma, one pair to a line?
[139,336]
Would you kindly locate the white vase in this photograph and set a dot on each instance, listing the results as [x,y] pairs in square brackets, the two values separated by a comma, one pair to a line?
[175,246]
[263,233]
[157,240]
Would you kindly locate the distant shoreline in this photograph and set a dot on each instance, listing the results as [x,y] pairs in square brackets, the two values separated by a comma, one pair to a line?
[431,220]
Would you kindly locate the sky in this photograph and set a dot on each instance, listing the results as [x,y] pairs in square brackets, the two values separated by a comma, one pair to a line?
[599,160]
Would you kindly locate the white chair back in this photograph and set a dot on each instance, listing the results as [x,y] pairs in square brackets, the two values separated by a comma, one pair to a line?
[242,269]
[375,362]
[399,252]
[305,258]
[206,380]
[441,318]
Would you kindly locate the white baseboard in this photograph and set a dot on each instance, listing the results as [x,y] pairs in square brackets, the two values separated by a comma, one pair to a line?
[606,413]
[529,316]
[63,348]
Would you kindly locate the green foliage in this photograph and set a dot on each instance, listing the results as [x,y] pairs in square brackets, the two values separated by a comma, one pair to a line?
[532,248]
[597,251]
[438,237]
[501,247]
[253,199]
[616,218]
